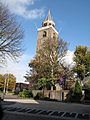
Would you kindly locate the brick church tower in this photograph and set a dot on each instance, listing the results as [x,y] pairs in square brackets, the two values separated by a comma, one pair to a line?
[46,31]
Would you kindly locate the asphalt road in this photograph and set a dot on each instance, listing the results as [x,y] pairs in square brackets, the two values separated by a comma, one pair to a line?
[15,116]
[27,109]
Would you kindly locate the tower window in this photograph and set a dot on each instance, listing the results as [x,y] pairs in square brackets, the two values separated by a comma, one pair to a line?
[54,36]
[44,34]
[45,24]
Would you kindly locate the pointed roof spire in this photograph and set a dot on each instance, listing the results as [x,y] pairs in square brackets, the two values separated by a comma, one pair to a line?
[48,21]
[49,17]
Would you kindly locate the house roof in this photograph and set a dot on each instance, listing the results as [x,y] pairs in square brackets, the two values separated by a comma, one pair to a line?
[23,82]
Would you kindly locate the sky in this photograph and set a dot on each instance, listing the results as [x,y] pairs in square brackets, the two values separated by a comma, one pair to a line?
[72,19]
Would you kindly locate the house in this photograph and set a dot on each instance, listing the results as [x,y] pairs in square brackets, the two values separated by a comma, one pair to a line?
[20,86]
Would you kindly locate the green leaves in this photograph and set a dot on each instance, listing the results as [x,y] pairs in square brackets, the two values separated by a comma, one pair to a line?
[42,83]
[10,80]
[45,68]
[82,60]
[78,88]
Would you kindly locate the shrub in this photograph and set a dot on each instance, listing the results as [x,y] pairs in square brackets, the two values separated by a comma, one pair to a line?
[21,94]
[78,88]
[39,95]
[26,94]
[75,93]
[87,94]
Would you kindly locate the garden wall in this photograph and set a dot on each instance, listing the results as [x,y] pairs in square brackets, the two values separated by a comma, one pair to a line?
[52,94]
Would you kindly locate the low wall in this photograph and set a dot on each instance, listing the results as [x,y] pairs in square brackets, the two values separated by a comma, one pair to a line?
[53,94]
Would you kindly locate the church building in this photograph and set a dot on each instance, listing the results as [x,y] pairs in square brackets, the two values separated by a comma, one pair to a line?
[47,31]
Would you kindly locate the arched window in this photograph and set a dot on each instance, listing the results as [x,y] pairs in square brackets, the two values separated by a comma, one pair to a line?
[44,33]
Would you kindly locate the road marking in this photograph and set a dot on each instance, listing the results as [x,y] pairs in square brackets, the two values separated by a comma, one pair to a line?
[61,114]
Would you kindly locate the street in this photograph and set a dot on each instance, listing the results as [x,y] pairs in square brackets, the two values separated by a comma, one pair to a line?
[29,109]
[13,116]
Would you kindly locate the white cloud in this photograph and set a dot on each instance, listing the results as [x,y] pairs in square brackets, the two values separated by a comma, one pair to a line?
[21,8]
[68,59]
[18,69]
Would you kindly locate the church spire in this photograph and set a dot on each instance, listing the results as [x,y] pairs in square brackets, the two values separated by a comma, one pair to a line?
[48,21]
[49,17]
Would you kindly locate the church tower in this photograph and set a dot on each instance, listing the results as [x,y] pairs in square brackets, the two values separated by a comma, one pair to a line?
[47,31]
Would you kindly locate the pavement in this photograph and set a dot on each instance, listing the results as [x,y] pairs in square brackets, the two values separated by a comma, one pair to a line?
[36,109]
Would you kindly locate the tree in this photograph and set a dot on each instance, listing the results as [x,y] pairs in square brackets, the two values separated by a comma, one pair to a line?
[82,60]
[87,85]
[7,80]
[75,93]
[42,82]
[78,88]
[47,62]
[11,35]
[1,82]
[11,82]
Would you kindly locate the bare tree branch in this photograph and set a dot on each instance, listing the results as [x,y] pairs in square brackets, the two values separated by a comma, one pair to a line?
[11,35]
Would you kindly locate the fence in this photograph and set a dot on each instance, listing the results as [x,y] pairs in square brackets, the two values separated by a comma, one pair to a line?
[52,94]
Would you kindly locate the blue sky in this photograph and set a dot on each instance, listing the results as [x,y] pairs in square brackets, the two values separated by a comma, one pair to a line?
[72,19]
